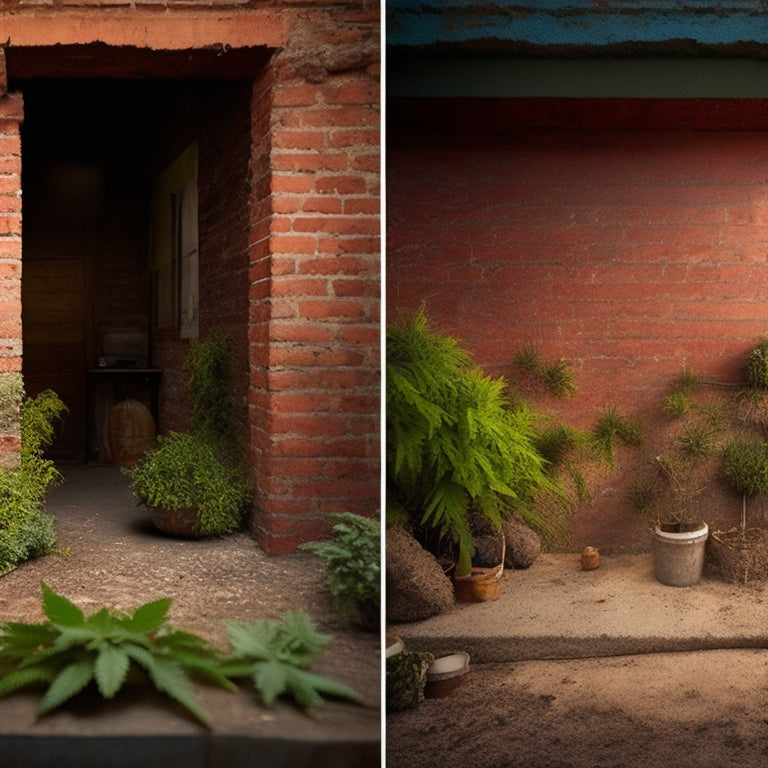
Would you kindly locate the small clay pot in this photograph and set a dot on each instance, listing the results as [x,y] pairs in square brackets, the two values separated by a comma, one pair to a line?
[445,675]
[480,585]
[590,559]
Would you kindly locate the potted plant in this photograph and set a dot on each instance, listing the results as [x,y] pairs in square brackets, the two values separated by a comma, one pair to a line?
[353,566]
[456,446]
[671,494]
[196,483]
[742,552]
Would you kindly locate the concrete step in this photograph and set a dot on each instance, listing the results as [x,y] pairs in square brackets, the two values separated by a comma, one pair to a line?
[554,610]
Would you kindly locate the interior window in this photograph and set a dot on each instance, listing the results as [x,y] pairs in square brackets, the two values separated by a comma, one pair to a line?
[174,245]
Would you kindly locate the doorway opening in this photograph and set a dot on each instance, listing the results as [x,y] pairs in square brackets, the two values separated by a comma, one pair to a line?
[92,153]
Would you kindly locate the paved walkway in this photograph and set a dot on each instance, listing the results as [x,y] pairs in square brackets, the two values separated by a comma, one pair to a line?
[554,610]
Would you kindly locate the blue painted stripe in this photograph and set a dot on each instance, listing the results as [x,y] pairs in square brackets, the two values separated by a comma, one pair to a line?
[424,23]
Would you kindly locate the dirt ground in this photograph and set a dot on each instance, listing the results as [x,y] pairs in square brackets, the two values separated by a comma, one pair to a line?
[697,709]
[112,556]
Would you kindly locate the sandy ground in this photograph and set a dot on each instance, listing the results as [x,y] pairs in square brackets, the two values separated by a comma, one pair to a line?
[696,709]
[112,556]
[596,669]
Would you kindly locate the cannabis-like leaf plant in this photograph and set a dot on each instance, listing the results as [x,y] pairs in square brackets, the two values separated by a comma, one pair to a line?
[71,650]
[276,654]
[353,560]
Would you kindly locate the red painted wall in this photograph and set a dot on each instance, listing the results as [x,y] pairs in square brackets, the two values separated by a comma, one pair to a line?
[627,236]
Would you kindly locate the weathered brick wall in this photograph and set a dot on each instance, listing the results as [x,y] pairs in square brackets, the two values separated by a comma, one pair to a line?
[315,302]
[629,237]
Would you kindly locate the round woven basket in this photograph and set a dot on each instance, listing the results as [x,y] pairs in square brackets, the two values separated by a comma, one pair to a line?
[741,555]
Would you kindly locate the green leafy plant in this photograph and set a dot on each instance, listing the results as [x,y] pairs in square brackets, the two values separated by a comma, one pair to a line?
[353,562]
[26,531]
[110,649]
[276,655]
[455,443]
[757,365]
[203,470]
[71,650]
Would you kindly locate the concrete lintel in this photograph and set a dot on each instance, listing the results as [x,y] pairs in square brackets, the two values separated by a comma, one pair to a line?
[180,30]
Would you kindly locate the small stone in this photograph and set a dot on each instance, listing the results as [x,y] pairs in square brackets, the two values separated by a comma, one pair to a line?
[590,559]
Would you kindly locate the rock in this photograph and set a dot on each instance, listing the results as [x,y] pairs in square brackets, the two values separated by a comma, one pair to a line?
[488,549]
[417,587]
[523,544]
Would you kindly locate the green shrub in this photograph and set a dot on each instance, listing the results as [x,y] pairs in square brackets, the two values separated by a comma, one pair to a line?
[745,467]
[184,471]
[26,531]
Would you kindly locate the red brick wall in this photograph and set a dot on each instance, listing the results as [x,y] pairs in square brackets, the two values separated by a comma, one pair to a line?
[219,120]
[315,301]
[629,237]
[11,115]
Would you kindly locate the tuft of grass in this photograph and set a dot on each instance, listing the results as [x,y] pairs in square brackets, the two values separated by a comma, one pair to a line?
[677,404]
[556,376]
[612,428]
[698,441]
[528,358]
[559,379]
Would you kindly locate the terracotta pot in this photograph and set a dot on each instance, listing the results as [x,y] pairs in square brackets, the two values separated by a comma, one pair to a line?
[479,585]
[184,523]
[131,430]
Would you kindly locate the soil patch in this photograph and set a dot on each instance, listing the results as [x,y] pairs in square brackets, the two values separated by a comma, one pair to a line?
[686,710]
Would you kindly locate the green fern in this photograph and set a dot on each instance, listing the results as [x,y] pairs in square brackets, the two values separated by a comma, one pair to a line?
[276,654]
[72,650]
[454,441]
